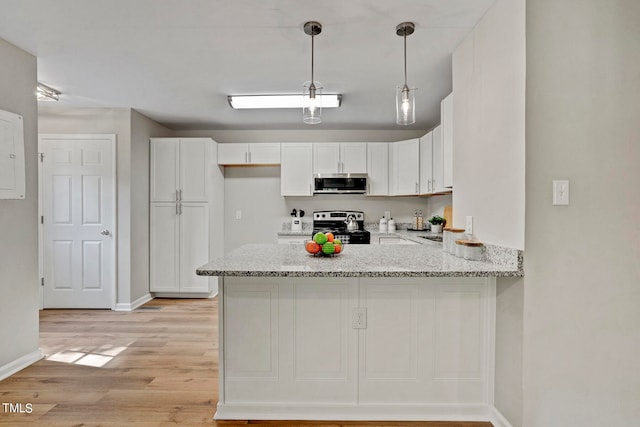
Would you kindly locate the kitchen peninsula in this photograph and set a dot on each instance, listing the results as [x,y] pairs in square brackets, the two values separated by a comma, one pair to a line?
[370,334]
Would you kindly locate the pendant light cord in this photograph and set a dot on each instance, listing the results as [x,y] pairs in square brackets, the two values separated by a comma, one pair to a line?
[405,57]
[312,37]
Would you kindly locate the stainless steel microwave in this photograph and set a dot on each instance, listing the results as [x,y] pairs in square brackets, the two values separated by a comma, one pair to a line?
[340,183]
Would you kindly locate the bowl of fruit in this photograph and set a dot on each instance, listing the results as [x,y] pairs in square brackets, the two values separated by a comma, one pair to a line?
[323,244]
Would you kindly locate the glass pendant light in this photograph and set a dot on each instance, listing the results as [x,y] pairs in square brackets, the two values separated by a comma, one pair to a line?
[312,91]
[405,97]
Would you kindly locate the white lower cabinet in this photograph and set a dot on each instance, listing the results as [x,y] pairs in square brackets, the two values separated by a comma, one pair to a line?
[179,244]
[289,340]
[290,347]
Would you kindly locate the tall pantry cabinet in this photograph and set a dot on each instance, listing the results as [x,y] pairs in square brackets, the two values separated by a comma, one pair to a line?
[180,220]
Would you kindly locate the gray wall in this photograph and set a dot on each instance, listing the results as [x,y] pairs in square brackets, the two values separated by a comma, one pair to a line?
[19,218]
[582,280]
[489,126]
[132,184]
[489,170]
[256,192]
[142,128]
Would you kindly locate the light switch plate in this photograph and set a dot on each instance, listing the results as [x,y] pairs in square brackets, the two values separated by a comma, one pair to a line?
[359,318]
[560,192]
[468,229]
[238,214]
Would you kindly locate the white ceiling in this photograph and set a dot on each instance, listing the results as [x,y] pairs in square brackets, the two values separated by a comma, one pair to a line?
[176,61]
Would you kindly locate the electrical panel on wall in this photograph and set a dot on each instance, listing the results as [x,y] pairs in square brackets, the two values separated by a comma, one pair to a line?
[12,161]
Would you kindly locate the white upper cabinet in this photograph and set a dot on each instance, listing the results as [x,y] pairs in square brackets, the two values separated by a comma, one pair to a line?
[340,157]
[446,120]
[179,169]
[296,169]
[431,163]
[426,164]
[378,168]
[249,154]
[438,162]
[405,167]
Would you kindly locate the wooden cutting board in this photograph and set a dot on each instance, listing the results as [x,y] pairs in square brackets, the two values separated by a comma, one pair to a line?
[448,216]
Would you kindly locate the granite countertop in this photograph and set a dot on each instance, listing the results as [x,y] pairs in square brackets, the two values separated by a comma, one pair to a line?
[362,261]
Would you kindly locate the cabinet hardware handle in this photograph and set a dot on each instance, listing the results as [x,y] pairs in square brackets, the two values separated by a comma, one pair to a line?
[249,155]
[177,208]
[246,157]
[180,205]
[416,187]
[105,232]
[180,199]
[177,196]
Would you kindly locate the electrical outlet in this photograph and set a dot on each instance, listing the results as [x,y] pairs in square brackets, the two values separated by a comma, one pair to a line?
[469,227]
[238,214]
[359,318]
[560,192]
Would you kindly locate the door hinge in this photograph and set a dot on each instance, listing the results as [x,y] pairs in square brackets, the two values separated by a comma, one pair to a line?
[41,219]
[41,157]
[42,281]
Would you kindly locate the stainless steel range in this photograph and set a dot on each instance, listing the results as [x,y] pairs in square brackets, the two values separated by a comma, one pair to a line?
[348,226]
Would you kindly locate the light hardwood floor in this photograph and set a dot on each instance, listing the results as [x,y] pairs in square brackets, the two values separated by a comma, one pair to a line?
[154,366]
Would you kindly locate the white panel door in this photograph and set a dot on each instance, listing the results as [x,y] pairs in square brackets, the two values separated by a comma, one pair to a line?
[194,246]
[296,169]
[164,246]
[194,179]
[79,221]
[353,157]
[164,169]
[326,158]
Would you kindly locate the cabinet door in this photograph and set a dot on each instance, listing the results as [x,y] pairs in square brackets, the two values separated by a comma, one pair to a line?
[164,169]
[264,154]
[407,167]
[296,169]
[233,154]
[378,168]
[446,120]
[194,246]
[194,176]
[426,163]
[326,158]
[438,171]
[164,238]
[353,157]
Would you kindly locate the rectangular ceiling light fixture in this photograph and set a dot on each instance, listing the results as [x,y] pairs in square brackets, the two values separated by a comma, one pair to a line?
[46,93]
[240,102]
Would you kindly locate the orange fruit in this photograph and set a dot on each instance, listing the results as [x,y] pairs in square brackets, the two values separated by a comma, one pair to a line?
[337,248]
[312,247]
[329,236]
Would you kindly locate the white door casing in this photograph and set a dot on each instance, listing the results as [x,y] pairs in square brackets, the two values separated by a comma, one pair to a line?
[79,221]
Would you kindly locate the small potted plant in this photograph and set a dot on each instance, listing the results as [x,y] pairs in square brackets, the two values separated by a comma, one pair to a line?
[436,223]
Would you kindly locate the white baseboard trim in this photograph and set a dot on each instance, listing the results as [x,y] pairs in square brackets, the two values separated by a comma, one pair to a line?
[497,419]
[19,364]
[360,412]
[125,306]
[182,295]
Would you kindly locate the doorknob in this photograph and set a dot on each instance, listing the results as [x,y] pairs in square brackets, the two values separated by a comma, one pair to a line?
[105,232]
